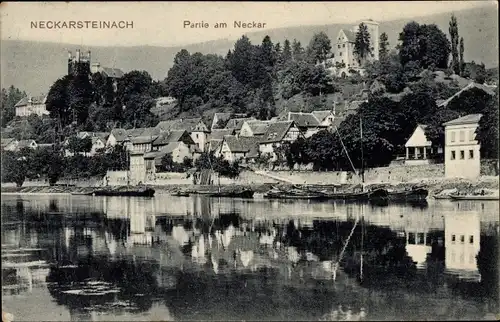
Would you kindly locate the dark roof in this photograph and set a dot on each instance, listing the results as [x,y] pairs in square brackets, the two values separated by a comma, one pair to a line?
[467,119]
[6,142]
[276,131]
[241,144]
[34,100]
[321,115]
[351,36]
[181,124]
[485,88]
[218,134]
[226,116]
[119,134]
[173,136]
[258,127]
[237,123]
[143,131]
[112,72]
[303,119]
[214,144]
[337,120]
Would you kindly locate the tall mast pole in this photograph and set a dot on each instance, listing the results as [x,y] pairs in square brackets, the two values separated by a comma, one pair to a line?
[361,145]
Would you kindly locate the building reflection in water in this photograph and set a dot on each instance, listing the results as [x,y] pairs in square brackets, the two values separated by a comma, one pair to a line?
[181,244]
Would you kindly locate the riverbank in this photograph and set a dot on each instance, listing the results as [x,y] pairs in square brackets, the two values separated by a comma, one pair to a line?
[434,186]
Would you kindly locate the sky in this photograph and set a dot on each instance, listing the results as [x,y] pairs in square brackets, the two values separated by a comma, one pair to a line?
[162,23]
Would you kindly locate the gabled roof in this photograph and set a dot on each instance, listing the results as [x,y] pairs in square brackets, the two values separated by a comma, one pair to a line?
[97,138]
[119,134]
[188,124]
[34,100]
[225,117]
[237,123]
[258,127]
[6,142]
[337,121]
[241,144]
[112,72]
[218,134]
[25,143]
[351,36]
[173,136]
[303,119]
[321,115]
[276,131]
[418,139]
[485,88]
[143,131]
[467,119]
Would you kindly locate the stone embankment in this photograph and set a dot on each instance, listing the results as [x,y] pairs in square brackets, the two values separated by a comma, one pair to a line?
[434,186]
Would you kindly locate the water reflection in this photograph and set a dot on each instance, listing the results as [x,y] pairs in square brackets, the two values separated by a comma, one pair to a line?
[198,258]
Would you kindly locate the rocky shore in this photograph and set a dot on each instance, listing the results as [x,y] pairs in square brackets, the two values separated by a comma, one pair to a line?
[434,186]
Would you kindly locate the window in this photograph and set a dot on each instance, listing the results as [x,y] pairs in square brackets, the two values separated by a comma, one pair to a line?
[411,238]
[333,55]
[462,154]
[452,136]
[462,239]
[471,239]
[471,154]
[343,45]
[452,155]
[340,54]
[342,60]
[461,136]
[338,45]
[453,239]
[420,239]
[471,135]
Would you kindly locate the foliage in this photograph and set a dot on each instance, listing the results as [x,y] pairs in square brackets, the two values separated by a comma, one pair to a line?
[14,168]
[10,98]
[77,144]
[224,168]
[487,132]
[475,71]
[453,29]
[362,47]
[319,48]
[168,164]
[384,46]
[462,63]
[425,44]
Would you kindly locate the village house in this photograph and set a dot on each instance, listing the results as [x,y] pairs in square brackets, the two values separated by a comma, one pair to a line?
[31,105]
[141,140]
[254,128]
[16,145]
[419,149]
[178,150]
[462,158]
[278,133]
[235,148]
[325,117]
[236,123]
[98,142]
[113,74]
[116,137]
[220,119]
[194,126]
[216,137]
[307,123]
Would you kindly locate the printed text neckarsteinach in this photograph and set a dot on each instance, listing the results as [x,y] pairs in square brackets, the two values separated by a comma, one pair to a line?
[81,24]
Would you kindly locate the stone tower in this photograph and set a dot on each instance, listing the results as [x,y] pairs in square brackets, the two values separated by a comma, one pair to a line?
[79,64]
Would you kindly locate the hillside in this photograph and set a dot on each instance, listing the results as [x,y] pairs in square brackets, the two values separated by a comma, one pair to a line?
[34,66]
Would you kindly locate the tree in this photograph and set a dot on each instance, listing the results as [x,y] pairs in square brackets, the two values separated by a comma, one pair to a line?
[297,50]
[453,29]
[287,52]
[14,168]
[384,46]
[9,99]
[462,63]
[319,48]
[362,46]
[424,44]
[57,102]
[487,132]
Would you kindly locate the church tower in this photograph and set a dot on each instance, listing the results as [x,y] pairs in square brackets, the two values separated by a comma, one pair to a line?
[79,64]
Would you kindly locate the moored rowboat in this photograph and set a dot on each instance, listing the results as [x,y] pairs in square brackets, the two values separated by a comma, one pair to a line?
[474,197]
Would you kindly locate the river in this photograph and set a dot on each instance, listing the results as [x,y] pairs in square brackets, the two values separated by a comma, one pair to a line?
[74,258]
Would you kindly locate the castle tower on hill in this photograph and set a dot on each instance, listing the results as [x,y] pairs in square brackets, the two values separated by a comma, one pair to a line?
[78,64]
[373,29]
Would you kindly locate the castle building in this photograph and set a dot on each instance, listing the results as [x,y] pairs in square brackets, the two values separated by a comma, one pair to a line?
[79,64]
[343,50]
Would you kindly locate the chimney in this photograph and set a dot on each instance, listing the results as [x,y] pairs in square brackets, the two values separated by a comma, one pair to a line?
[88,55]
[69,55]
[78,55]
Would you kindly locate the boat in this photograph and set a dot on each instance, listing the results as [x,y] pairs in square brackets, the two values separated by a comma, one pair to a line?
[441,197]
[129,192]
[245,193]
[409,195]
[180,194]
[81,193]
[474,197]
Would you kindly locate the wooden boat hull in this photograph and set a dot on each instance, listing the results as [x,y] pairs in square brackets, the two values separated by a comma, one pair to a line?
[411,195]
[81,193]
[180,194]
[148,192]
[442,197]
[471,197]
[239,194]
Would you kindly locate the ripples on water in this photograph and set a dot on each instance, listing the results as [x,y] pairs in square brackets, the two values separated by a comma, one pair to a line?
[169,258]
